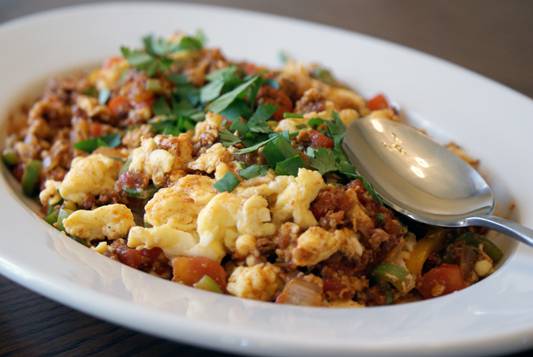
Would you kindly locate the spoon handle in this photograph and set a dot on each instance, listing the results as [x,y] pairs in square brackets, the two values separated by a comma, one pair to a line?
[510,228]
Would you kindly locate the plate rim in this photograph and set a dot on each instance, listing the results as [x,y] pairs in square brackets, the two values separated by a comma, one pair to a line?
[54,292]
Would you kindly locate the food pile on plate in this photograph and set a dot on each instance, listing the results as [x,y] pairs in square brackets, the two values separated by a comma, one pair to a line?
[230,177]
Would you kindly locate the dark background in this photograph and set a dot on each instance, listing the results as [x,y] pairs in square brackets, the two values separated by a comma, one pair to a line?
[491,37]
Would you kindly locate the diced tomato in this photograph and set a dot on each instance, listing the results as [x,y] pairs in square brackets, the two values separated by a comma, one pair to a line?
[377,102]
[189,270]
[119,105]
[95,129]
[441,280]
[319,140]
[277,97]
[138,258]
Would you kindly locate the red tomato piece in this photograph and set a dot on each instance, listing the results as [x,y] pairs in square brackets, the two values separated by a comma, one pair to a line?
[441,280]
[95,129]
[189,270]
[119,105]
[377,102]
[269,95]
[319,140]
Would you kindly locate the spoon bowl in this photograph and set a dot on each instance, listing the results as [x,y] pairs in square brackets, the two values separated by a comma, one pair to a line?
[422,179]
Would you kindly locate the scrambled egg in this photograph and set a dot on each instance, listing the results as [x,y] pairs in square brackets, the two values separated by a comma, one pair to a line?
[159,164]
[295,197]
[172,241]
[217,221]
[315,245]
[211,159]
[180,204]
[89,176]
[259,282]
[254,217]
[208,129]
[106,222]
[49,196]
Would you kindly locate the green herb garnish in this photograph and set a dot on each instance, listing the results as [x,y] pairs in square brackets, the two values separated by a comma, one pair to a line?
[292,115]
[290,166]
[227,138]
[324,161]
[258,122]
[253,171]
[278,149]
[89,145]
[226,183]
[222,102]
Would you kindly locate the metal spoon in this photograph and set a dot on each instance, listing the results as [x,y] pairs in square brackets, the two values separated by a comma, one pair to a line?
[422,179]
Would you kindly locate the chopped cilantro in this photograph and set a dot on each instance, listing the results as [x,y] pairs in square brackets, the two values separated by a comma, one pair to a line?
[336,129]
[290,166]
[258,121]
[211,90]
[89,145]
[315,122]
[292,115]
[323,160]
[253,171]
[172,126]
[224,78]
[278,149]
[226,183]
[227,138]
[161,107]
[237,109]
[222,102]
[240,126]
[256,146]
[154,57]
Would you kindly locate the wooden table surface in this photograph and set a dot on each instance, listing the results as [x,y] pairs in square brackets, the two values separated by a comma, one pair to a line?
[494,38]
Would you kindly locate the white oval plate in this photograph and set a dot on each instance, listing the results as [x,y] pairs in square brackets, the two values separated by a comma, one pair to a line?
[493,122]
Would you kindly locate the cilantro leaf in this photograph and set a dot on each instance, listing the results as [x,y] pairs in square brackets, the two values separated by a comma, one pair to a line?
[315,122]
[222,102]
[290,166]
[161,107]
[336,129]
[222,78]
[154,57]
[135,58]
[226,75]
[253,171]
[256,146]
[227,183]
[237,109]
[89,145]
[175,126]
[258,121]
[227,138]
[323,160]
[211,90]
[278,149]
